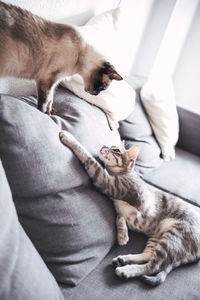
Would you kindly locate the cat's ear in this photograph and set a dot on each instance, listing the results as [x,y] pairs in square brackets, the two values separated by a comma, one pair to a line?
[133,152]
[111,72]
[115,75]
[123,145]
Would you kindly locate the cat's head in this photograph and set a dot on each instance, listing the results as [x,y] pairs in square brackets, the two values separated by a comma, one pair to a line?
[100,78]
[118,160]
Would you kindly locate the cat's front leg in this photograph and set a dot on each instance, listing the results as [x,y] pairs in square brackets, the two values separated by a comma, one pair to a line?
[128,259]
[131,271]
[122,231]
[89,162]
[45,96]
[100,178]
[70,141]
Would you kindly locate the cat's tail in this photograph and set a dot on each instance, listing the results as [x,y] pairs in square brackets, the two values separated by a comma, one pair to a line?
[155,280]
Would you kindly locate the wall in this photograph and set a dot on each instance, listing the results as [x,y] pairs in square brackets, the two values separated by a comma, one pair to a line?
[187,71]
[155,28]
[146,26]
[71,11]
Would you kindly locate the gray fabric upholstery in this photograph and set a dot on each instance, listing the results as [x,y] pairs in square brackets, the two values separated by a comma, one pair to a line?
[63,214]
[70,223]
[23,274]
[180,176]
[103,284]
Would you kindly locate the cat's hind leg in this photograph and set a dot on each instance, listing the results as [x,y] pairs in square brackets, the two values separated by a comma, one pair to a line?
[131,271]
[141,258]
[133,265]
[135,270]
[128,259]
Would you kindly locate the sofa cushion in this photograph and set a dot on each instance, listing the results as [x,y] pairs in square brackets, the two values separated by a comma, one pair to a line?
[22,271]
[179,177]
[70,223]
[136,129]
[102,283]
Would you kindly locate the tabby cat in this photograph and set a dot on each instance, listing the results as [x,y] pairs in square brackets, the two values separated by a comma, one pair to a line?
[171,224]
[34,48]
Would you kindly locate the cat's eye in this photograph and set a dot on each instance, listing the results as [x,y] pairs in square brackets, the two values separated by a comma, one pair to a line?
[116,150]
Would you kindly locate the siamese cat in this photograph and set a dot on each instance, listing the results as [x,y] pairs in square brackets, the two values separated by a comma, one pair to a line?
[34,48]
[171,224]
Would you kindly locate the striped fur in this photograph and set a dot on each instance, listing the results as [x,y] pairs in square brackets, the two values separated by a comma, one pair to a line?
[171,224]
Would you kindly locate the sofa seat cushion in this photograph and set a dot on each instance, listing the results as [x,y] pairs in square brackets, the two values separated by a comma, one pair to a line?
[182,283]
[70,223]
[180,177]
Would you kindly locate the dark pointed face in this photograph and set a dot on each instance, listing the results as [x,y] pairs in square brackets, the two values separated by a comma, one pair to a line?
[100,79]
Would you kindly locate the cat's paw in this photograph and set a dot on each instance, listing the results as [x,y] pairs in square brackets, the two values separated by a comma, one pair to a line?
[53,111]
[118,261]
[124,272]
[122,238]
[66,138]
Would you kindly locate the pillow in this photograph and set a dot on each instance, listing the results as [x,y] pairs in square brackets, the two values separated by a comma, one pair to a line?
[101,31]
[70,223]
[117,101]
[22,271]
[159,101]
[136,129]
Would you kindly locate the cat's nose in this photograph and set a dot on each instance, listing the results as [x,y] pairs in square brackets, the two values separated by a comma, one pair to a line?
[95,93]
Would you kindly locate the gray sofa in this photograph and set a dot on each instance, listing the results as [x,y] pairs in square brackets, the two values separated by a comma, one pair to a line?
[58,233]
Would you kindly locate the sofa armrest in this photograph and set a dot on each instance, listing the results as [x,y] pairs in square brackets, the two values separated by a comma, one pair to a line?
[189,135]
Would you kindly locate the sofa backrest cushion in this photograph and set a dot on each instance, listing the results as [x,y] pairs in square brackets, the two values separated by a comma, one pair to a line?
[70,223]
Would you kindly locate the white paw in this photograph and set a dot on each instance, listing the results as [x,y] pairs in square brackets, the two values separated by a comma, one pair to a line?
[65,134]
[119,261]
[124,272]
[122,238]
[66,137]
[116,262]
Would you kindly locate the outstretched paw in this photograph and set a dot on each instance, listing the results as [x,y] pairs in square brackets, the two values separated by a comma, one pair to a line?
[67,138]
